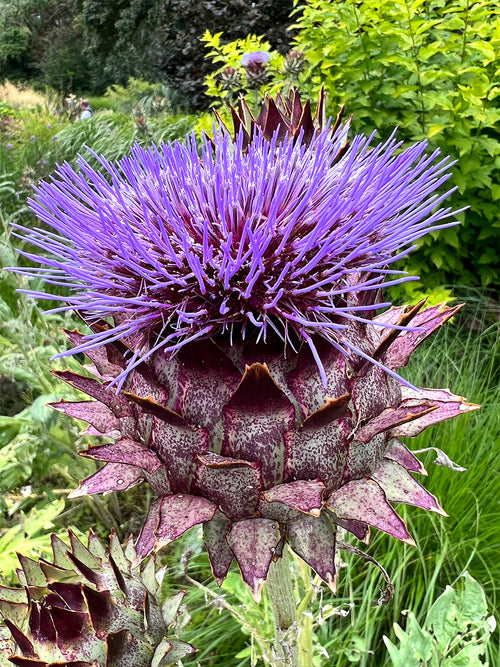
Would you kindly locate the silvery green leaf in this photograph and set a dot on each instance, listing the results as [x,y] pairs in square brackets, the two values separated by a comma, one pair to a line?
[170,608]
[415,646]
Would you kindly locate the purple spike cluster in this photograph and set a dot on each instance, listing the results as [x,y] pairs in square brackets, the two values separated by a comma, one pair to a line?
[176,247]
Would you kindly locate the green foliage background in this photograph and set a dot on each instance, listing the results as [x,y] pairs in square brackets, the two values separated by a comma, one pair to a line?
[430,68]
[85,46]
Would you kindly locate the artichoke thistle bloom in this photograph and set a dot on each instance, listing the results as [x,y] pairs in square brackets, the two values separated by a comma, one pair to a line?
[255,57]
[88,608]
[239,362]
[255,64]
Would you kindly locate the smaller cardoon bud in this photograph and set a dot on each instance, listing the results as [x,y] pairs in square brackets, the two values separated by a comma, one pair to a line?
[89,607]
[159,104]
[140,120]
[255,64]
[230,79]
[294,63]
[141,124]
[29,177]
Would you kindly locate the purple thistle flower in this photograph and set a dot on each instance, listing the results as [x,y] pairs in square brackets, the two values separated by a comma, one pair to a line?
[9,146]
[277,239]
[32,138]
[239,282]
[255,58]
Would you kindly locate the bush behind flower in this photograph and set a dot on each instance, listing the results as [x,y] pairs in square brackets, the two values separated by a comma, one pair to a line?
[431,70]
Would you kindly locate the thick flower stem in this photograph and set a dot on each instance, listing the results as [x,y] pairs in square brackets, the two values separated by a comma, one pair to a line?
[282,597]
[304,616]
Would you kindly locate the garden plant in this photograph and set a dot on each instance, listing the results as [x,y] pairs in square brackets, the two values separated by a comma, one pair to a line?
[213,422]
[239,366]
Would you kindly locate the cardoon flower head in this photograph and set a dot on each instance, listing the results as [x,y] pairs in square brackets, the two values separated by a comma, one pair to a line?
[255,64]
[232,291]
[255,58]
[282,239]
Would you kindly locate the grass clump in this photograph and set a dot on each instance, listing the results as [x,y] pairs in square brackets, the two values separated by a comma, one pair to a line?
[21,97]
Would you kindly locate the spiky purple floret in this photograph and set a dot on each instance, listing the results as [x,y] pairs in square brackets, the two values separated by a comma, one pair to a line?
[282,237]
[255,58]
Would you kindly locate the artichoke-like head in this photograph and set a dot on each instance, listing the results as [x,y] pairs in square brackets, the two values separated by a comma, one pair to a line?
[252,445]
[243,360]
[88,608]
[285,116]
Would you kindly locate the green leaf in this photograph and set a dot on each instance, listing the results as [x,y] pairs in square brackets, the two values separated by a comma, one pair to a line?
[442,618]
[415,644]
[31,537]
[484,49]
[435,129]
[454,634]
[495,191]
[39,410]
[471,603]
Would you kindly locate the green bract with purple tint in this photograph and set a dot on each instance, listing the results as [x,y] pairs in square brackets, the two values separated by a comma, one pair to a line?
[178,248]
[87,607]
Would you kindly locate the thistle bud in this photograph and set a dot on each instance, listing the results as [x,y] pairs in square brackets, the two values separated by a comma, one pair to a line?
[255,64]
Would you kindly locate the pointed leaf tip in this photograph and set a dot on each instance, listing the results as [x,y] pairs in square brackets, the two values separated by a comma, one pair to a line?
[111,477]
[313,539]
[219,551]
[364,500]
[179,513]
[303,495]
[399,486]
[254,542]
